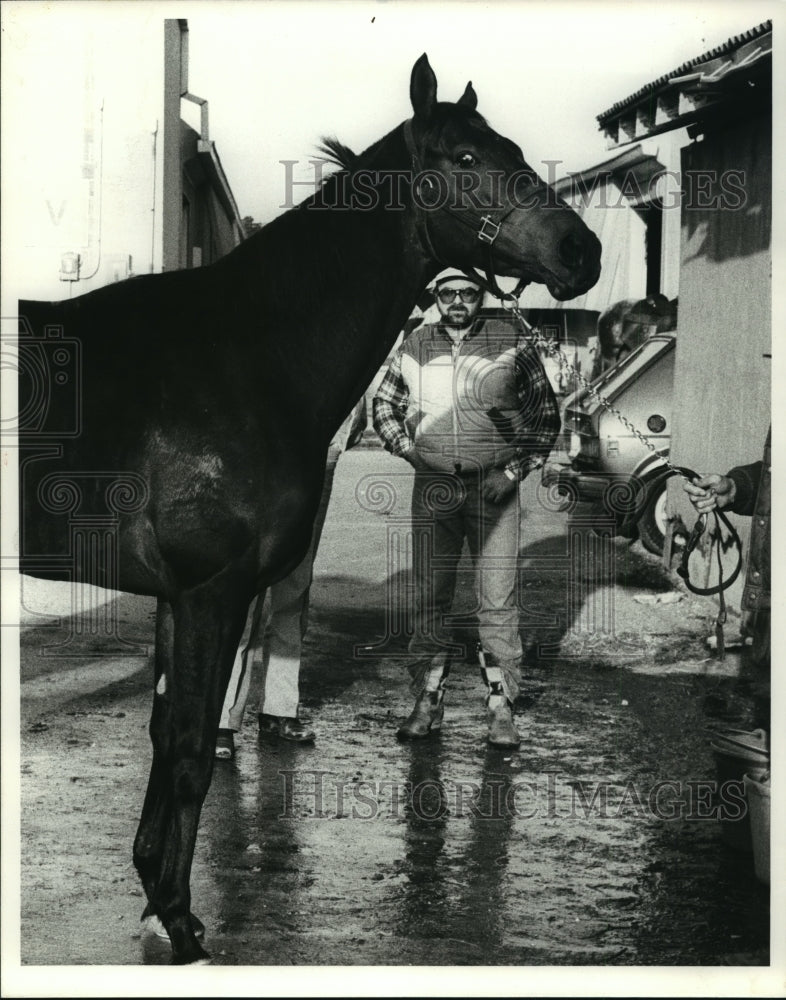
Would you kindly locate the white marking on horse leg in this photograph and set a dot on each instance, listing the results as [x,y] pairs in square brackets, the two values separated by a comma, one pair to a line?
[161,686]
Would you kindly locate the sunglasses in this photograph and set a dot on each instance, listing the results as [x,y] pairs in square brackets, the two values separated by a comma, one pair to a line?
[468,295]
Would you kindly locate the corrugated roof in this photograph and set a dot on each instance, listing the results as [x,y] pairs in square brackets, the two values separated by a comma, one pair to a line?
[729,47]
[675,98]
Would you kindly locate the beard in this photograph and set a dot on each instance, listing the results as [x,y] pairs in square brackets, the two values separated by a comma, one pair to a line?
[457,316]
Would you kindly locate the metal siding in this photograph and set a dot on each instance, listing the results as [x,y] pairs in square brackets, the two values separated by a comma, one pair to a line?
[722,385]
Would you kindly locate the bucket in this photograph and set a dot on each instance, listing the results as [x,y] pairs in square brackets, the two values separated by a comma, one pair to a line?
[734,757]
[757,793]
[756,742]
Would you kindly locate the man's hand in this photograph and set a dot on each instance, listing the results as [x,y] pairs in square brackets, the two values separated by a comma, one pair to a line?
[708,492]
[497,486]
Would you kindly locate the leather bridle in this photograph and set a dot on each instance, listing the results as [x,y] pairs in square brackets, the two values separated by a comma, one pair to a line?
[698,530]
[486,228]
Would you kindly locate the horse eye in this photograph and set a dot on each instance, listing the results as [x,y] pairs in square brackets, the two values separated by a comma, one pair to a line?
[465,160]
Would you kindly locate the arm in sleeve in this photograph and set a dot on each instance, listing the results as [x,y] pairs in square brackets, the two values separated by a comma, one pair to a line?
[746,479]
[389,409]
[539,411]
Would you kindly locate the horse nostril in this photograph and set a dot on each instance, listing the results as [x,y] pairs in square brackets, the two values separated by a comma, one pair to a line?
[571,251]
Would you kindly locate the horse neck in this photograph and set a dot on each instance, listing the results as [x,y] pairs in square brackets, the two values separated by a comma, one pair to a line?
[342,283]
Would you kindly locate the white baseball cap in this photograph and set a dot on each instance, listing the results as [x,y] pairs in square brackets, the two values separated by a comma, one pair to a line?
[451,274]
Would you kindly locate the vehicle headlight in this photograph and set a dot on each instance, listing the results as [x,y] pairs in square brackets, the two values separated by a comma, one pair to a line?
[582,446]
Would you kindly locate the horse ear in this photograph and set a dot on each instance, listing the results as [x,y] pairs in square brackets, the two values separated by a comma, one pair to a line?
[469,99]
[423,88]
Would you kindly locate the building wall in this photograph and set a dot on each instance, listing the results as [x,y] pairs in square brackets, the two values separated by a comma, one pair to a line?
[219,234]
[101,155]
[174,84]
[206,231]
[85,129]
[722,390]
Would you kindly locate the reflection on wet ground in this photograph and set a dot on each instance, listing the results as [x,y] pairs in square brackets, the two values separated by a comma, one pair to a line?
[597,843]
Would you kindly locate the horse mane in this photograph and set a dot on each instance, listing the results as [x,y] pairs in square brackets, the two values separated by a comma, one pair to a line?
[312,250]
[344,158]
[337,153]
[348,162]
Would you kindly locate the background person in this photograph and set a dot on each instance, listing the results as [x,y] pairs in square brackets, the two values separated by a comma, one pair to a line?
[278,626]
[627,324]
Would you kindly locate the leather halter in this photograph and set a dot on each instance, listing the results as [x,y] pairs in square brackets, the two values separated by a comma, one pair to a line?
[698,530]
[486,229]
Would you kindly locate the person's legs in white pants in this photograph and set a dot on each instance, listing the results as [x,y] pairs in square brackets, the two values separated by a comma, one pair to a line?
[276,636]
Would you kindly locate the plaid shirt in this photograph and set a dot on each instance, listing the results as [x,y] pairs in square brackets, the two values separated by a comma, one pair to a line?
[391,401]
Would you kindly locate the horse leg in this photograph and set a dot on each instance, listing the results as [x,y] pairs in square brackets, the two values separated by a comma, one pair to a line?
[208,624]
[149,842]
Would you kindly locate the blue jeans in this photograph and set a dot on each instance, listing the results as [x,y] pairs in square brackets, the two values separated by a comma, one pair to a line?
[446,510]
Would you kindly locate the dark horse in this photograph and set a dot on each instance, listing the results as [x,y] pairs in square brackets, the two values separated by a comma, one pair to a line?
[209,397]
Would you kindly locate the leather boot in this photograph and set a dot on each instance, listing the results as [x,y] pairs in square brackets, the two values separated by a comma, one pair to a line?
[426,716]
[279,727]
[502,732]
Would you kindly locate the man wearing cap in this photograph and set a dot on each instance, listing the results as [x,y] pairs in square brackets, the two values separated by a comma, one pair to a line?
[467,403]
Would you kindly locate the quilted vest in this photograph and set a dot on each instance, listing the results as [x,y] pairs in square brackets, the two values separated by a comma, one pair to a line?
[464,412]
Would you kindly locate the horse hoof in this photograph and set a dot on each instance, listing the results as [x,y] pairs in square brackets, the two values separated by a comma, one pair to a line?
[154,925]
[193,955]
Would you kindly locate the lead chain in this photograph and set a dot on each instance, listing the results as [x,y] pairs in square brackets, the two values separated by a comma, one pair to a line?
[554,351]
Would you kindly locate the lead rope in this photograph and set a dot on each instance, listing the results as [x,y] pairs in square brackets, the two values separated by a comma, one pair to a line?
[720,621]
[554,351]
[683,571]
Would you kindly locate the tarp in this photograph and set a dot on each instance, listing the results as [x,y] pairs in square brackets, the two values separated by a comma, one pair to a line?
[621,232]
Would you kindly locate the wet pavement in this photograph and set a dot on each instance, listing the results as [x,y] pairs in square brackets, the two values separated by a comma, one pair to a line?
[596,843]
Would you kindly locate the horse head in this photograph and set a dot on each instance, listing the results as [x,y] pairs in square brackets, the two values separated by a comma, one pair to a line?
[479,204]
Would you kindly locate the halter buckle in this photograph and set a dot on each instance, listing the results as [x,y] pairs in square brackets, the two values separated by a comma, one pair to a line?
[489,230]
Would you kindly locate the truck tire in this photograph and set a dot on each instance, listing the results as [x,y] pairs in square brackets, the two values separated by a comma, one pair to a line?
[652,523]
[613,527]
[617,513]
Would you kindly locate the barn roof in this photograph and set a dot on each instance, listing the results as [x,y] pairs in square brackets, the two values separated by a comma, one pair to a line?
[691,90]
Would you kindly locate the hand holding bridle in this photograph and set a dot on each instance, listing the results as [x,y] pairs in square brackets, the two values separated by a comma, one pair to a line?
[710,492]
